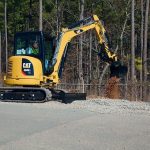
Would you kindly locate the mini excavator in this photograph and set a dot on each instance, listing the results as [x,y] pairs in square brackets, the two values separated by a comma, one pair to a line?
[33,74]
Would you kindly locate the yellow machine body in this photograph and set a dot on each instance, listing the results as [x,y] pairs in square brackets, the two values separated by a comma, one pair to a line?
[24,70]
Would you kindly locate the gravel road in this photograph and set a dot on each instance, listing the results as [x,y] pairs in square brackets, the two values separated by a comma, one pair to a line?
[103,106]
[99,124]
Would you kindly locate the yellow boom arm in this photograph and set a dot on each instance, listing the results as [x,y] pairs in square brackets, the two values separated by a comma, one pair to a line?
[68,34]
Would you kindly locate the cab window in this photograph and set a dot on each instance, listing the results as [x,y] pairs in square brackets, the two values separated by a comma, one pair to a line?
[26,44]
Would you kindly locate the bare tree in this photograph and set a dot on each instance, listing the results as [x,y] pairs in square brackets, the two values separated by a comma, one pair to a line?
[145,49]
[0,60]
[81,47]
[6,43]
[40,15]
[142,46]
[132,48]
[90,59]
[123,28]
[0,54]
[57,17]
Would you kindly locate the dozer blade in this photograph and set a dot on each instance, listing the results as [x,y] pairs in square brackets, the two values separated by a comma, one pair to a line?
[67,97]
[70,97]
[117,69]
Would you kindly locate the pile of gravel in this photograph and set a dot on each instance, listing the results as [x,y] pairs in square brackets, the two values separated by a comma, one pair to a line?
[102,106]
[96,105]
[112,106]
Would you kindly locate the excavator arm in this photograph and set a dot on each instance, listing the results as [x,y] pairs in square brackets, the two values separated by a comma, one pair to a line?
[75,30]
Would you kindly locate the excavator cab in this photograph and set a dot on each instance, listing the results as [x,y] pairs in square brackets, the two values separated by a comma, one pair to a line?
[35,44]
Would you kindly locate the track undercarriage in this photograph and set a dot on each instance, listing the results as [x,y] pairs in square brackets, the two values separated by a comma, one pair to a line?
[37,95]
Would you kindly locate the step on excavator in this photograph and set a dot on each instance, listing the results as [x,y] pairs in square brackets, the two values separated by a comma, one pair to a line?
[35,68]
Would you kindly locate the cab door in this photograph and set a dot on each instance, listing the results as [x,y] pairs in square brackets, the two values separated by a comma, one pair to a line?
[49,49]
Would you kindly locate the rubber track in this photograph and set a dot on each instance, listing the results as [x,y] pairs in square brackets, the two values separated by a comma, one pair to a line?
[25,90]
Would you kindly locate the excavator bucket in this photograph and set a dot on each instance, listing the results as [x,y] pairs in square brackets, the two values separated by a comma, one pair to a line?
[118,69]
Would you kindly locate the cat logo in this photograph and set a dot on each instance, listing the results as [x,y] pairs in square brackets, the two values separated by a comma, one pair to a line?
[78,31]
[26,65]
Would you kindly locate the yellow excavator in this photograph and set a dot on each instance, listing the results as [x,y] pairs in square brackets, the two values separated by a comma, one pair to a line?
[36,65]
